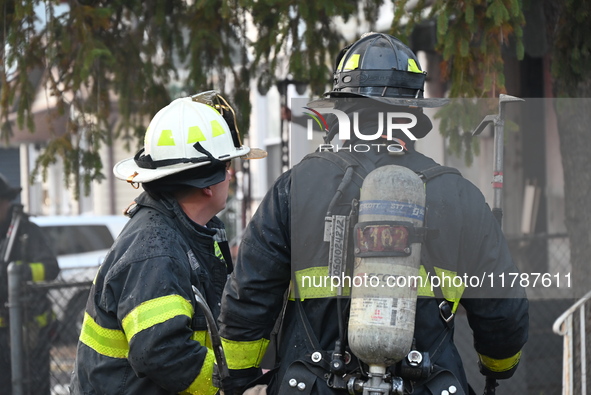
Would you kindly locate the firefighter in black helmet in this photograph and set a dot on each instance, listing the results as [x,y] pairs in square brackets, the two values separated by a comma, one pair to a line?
[277,282]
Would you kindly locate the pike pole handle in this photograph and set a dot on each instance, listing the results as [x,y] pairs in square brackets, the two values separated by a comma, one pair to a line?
[498,121]
[216,341]
[498,214]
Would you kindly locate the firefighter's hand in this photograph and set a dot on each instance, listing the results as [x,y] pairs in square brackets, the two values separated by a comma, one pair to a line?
[236,382]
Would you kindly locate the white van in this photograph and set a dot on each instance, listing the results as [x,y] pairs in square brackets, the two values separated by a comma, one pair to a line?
[80,244]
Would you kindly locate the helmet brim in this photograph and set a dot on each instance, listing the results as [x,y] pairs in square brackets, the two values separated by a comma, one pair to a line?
[11,193]
[333,97]
[128,170]
[255,153]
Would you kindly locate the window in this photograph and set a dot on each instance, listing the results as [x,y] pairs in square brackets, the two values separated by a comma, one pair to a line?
[77,239]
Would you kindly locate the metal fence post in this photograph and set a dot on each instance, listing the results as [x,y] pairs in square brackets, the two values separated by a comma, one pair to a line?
[16,341]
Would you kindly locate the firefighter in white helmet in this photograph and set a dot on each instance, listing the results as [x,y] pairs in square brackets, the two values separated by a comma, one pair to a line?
[143,332]
[284,280]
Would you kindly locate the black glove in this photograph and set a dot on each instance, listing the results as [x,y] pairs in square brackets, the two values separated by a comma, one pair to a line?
[237,382]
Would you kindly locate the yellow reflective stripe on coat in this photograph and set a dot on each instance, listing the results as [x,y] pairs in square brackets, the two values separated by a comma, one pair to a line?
[155,311]
[313,283]
[450,283]
[500,365]
[217,251]
[244,354]
[113,343]
[202,337]
[203,383]
[44,319]
[109,342]
[37,271]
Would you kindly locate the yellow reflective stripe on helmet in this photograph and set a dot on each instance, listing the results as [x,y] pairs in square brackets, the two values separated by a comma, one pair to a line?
[452,286]
[203,384]
[352,62]
[37,271]
[166,138]
[216,129]
[195,135]
[500,365]
[155,311]
[246,354]
[109,342]
[413,67]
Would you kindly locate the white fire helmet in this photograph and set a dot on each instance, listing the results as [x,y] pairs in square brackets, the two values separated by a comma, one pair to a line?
[184,135]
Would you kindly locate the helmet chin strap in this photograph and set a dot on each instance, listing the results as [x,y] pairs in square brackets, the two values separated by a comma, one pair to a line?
[329,135]
[205,152]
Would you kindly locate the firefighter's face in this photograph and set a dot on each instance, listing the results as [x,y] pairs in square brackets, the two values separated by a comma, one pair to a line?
[220,190]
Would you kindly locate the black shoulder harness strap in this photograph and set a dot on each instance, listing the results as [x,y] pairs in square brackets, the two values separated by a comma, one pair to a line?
[436,171]
[445,310]
[361,163]
[362,167]
[365,166]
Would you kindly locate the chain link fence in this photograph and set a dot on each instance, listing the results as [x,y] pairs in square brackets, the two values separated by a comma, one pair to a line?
[42,355]
[540,372]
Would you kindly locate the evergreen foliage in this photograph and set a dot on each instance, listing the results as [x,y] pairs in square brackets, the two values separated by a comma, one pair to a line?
[471,37]
[115,63]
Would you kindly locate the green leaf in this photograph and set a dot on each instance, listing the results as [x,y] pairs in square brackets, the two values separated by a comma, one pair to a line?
[520,50]
[469,13]
[442,22]
[464,48]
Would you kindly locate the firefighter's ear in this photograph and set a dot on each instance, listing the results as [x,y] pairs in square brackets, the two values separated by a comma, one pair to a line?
[207,191]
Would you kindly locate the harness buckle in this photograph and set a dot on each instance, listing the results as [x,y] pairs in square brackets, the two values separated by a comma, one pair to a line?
[445,312]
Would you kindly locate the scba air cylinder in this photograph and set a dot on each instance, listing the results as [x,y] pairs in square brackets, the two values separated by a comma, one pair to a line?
[387,255]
